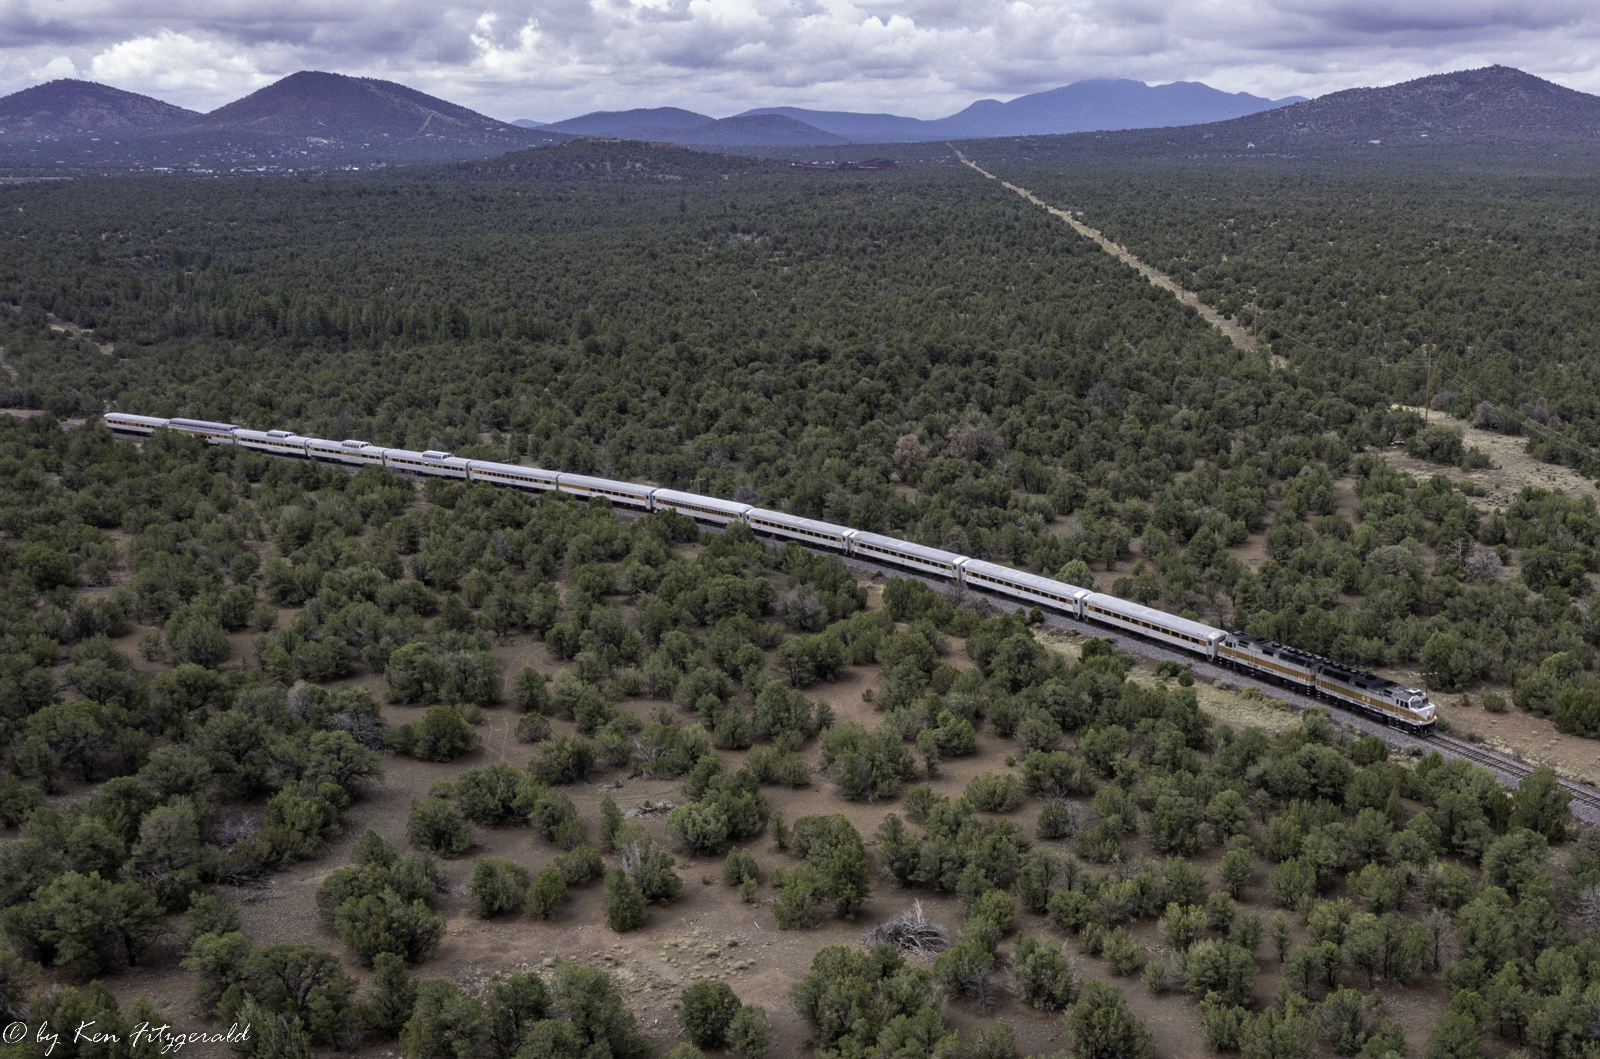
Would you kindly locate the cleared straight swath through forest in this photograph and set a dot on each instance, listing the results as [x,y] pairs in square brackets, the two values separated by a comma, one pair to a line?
[1234,333]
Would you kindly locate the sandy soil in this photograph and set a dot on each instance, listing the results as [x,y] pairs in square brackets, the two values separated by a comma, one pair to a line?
[1512,468]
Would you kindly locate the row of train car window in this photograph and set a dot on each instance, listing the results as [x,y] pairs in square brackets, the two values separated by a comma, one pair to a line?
[1148,625]
[1020,588]
[795,529]
[902,555]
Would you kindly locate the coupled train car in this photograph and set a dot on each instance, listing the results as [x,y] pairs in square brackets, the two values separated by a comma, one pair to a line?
[1389,702]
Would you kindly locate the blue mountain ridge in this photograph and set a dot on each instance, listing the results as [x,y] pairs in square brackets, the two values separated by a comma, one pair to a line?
[1084,106]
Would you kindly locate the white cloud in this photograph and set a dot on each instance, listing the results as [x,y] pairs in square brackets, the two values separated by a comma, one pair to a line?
[178,67]
[58,67]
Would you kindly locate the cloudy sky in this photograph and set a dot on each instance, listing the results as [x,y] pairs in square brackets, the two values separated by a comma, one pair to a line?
[552,59]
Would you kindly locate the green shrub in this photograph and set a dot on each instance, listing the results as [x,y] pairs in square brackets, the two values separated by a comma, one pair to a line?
[1123,952]
[532,728]
[832,846]
[373,848]
[563,759]
[392,997]
[994,792]
[448,1023]
[625,905]
[648,865]
[750,1033]
[546,894]
[1100,1026]
[1057,819]
[966,971]
[581,865]
[1041,974]
[705,1011]
[555,817]
[443,734]
[495,796]
[849,979]
[387,922]
[498,885]
[437,825]
[740,865]
[529,692]
[865,765]
[611,821]
[1222,968]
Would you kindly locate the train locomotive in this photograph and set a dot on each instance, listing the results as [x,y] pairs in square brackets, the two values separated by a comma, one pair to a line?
[1366,693]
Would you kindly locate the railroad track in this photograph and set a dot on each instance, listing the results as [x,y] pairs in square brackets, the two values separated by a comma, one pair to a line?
[1518,769]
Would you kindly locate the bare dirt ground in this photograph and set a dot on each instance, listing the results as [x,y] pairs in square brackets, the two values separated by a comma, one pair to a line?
[710,932]
[82,334]
[1511,467]
[1230,329]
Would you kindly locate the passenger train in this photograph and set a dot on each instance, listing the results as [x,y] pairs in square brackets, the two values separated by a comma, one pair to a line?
[1384,700]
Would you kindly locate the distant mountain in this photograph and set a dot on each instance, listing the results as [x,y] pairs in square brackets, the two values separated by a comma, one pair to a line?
[306,120]
[613,123]
[529,123]
[759,130]
[672,125]
[1084,106]
[859,128]
[66,108]
[312,105]
[1496,103]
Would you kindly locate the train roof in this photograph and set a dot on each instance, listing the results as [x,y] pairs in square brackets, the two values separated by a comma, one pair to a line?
[797,522]
[129,417]
[1274,649]
[202,424]
[921,551]
[587,482]
[712,503]
[1138,612]
[446,460]
[1047,585]
[261,435]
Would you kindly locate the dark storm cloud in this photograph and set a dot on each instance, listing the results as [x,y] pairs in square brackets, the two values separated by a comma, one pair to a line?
[555,58]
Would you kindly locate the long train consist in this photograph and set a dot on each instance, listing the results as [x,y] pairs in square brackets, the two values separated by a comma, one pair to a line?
[1391,703]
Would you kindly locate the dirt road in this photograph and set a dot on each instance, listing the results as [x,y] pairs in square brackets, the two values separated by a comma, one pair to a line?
[1231,330]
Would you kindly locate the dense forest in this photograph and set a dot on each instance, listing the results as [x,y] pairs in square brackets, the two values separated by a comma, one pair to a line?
[211,661]
[1306,855]
[822,341]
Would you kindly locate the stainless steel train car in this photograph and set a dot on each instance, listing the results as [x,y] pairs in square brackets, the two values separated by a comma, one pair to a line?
[804,530]
[277,442]
[934,561]
[1154,624]
[1364,692]
[430,462]
[215,433]
[1019,584]
[138,426]
[705,508]
[617,492]
[518,477]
